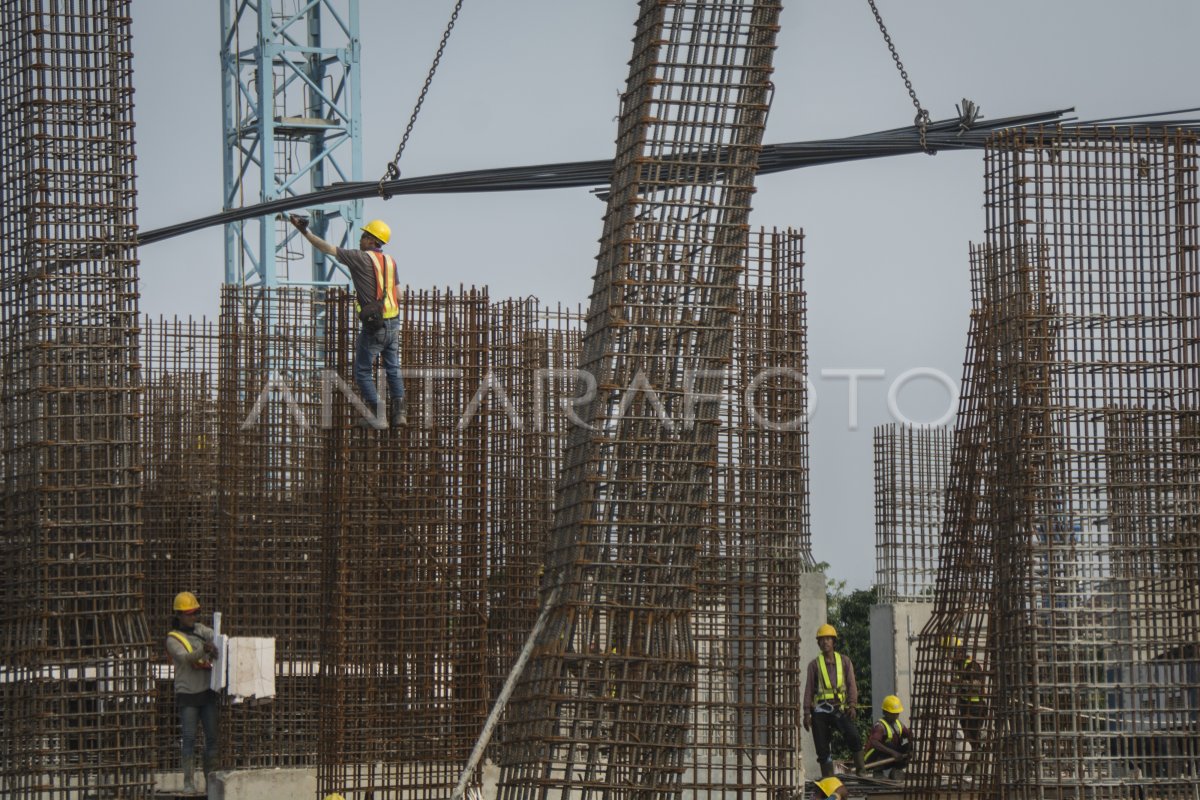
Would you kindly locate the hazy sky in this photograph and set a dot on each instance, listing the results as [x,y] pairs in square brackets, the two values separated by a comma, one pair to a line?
[537,81]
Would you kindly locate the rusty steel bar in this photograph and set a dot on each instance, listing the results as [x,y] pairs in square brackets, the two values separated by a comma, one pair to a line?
[911,470]
[271,458]
[180,483]
[76,691]
[606,705]
[747,626]
[1072,580]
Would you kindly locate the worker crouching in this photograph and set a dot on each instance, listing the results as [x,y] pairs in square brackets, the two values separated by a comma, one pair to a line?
[830,702]
[890,742]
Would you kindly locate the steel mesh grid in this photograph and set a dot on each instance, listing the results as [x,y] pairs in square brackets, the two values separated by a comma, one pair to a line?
[1083,398]
[911,469]
[606,703]
[179,435]
[404,676]
[75,697]
[747,624]
[533,354]
[270,512]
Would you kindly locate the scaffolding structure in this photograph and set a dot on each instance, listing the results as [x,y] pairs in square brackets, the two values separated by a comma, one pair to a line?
[912,465]
[291,124]
[1061,660]
[76,713]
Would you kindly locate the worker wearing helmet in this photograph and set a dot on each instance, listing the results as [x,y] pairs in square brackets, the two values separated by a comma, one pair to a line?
[969,691]
[829,787]
[831,700]
[890,741]
[191,648]
[375,279]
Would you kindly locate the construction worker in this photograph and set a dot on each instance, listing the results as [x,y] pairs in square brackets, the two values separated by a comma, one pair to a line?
[375,277]
[831,700]
[969,689]
[830,787]
[191,648]
[890,741]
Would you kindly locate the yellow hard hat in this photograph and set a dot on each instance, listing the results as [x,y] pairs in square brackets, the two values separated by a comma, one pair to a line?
[829,786]
[186,601]
[334,796]
[379,229]
[826,630]
[891,704]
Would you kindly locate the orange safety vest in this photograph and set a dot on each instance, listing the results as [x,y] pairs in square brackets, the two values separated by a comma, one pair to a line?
[827,689]
[385,283]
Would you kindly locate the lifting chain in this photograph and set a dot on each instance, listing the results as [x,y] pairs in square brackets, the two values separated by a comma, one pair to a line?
[922,118]
[393,167]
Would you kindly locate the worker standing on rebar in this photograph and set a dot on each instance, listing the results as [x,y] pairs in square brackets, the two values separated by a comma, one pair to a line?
[890,740]
[831,701]
[375,279]
[190,646]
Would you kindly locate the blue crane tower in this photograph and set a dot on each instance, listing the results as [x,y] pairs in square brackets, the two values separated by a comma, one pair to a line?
[292,124]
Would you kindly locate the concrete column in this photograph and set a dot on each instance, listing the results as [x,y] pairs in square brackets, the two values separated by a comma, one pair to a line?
[893,650]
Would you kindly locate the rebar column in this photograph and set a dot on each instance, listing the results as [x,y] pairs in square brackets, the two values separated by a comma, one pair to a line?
[76,715]
[911,470]
[747,624]
[404,638]
[181,480]
[606,704]
[1074,593]
[270,511]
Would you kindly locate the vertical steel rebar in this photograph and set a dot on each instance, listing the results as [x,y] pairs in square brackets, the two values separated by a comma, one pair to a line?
[606,705]
[76,717]
[1061,661]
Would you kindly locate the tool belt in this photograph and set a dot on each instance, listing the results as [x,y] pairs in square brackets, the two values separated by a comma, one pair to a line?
[826,707]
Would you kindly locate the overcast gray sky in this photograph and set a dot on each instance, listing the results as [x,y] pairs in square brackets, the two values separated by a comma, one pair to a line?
[536,81]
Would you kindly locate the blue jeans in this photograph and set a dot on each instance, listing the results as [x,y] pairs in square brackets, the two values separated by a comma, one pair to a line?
[207,715]
[385,341]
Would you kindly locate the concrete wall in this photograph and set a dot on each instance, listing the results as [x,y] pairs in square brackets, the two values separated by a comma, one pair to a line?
[263,784]
[893,650]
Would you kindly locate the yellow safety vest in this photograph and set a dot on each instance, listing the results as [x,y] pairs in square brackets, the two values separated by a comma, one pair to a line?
[890,735]
[970,698]
[187,645]
[827,690]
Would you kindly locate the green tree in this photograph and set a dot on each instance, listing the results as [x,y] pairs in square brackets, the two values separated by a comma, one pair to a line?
[850,613]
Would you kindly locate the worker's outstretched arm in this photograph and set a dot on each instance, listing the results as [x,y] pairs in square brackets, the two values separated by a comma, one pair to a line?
[301,224]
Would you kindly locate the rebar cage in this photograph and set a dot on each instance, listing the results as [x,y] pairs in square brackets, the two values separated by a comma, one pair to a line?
[1062,659]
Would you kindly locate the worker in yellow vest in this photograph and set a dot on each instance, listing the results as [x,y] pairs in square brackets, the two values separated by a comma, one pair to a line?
[890,741]
[191,649]
[375,279]
[831,701]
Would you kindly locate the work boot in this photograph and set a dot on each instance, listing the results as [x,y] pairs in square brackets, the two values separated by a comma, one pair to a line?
[826,769]
[397,414]
[859,769]
[210,766]
[373,421]
[189,775]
